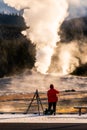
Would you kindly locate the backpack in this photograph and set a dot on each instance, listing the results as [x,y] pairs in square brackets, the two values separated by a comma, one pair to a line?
[48,112]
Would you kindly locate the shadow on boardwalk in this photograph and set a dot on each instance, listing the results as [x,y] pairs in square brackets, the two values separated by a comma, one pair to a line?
[42,126]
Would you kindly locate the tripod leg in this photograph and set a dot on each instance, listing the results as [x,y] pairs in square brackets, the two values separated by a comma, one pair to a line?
[39,101]
[30,103]
[38,104]
[41,104]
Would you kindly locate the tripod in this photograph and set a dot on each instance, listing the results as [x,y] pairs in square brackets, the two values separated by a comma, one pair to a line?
[36,95]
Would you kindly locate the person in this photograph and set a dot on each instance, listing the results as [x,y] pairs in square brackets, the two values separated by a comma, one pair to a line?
[52,98]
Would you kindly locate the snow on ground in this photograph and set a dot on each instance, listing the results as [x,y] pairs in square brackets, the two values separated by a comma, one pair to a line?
[35,118]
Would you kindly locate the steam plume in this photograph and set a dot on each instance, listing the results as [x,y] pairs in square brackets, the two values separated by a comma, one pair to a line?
[44,19]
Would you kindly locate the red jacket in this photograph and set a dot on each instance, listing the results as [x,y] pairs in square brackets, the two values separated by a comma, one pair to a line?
[52,95]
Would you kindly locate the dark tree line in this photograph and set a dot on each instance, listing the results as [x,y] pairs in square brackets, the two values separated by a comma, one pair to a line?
[75,29]
[80,70]
[16,55]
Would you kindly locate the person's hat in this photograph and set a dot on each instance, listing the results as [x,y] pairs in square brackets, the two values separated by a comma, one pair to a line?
[51,86]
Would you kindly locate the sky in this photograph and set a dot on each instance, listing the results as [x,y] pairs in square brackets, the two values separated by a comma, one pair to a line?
[77,8]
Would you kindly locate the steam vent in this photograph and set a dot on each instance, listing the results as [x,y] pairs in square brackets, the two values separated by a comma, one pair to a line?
[15,48]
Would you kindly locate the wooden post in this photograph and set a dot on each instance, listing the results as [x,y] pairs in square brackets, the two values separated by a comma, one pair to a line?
[79,111]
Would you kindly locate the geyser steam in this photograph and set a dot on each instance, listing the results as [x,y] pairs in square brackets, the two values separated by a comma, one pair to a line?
[44,19]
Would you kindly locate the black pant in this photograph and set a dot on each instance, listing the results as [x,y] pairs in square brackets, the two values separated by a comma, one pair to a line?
[52,104]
